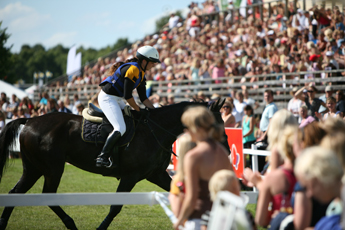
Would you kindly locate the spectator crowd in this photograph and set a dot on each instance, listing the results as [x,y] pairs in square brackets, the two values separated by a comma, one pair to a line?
[306,139]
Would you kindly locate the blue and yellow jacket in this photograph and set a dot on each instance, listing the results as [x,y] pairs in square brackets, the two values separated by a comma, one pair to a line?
[126,78]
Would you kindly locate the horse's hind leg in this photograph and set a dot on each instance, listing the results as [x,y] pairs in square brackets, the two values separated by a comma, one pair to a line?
[28,179]
[51,183]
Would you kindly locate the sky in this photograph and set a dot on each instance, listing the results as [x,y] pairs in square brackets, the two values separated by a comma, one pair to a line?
[91,24]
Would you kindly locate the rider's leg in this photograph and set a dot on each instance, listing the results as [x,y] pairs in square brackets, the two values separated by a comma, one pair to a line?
[111,106]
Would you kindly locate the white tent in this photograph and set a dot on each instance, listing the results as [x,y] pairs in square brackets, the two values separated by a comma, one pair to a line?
[11,89]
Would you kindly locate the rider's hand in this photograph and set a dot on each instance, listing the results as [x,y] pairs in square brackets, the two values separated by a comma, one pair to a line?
[144,112]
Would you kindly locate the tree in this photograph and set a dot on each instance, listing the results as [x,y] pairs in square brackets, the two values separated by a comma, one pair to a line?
[5,54]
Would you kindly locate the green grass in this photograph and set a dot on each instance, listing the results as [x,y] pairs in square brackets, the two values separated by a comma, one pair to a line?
[86,217]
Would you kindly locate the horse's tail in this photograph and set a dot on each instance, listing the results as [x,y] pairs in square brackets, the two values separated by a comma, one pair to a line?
[7,137]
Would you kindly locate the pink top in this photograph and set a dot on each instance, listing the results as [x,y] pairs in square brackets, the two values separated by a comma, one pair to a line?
[277,199]
[217,73]
[306,121]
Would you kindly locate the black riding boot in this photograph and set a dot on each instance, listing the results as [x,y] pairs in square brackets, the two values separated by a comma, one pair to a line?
[103,159]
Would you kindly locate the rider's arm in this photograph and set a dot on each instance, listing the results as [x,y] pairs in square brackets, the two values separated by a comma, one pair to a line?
[142,95]
[127,94]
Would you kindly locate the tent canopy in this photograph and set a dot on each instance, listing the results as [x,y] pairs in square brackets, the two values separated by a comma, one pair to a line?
[11,89]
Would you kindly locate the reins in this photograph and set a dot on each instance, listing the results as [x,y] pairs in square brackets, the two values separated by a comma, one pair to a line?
[146,121]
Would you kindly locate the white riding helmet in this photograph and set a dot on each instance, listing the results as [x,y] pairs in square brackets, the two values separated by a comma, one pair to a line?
[148,53]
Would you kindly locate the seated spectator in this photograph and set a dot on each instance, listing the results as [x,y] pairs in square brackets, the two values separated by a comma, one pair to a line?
[313,103]
[51,106]
[295,104]
[305,118]
[2,120]
[332,111]
[177,188]
[339,96]
[226,180]
[62,107]
[277,186]
[317,170]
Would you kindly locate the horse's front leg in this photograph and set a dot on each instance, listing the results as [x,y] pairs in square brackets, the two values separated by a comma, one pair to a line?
[126,185]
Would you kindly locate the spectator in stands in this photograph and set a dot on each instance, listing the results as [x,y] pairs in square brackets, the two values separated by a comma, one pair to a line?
[248,125]
[319,169]
[67,103]
[310,100]
[80,108]
[14,112]
[173,20]
[339,96]
[240,104]
[200,164]
[3,105]
[51,106]
[76,102]
[218,70]
[10,108]
[267,114]
[228,117]
[295,104]
[248,100]
[305,118]
[2,120]
[328,93]
[332,111]
[62,107]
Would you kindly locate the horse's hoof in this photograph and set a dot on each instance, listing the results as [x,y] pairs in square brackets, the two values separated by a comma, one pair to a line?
[103,226]
[3,224]
[69,223]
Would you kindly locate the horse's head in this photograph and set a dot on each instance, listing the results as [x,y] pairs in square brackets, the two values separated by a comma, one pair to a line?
[215,107]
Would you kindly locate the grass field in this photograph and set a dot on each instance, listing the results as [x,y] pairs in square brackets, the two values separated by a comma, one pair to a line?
[86,217]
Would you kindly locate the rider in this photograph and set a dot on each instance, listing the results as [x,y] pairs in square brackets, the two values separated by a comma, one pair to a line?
[124,78]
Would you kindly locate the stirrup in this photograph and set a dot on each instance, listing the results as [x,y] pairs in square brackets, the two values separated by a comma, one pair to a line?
[101,162]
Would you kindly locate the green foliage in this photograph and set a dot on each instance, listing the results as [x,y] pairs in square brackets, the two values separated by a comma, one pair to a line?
[37,59]
[6,62]
[160,23]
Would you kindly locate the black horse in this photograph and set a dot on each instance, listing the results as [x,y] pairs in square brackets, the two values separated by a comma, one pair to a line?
[48,141]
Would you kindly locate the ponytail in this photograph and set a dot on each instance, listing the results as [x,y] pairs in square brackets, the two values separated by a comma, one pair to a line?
[116,65]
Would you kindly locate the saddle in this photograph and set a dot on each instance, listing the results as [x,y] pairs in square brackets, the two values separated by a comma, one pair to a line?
[96,127]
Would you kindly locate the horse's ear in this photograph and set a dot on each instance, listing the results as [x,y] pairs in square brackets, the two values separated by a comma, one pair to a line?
[211,107]
[220,105]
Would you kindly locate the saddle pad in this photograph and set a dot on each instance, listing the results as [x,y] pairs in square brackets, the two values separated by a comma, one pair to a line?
[98,132]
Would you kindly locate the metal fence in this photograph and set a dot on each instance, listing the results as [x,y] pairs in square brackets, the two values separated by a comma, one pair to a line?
[184,90]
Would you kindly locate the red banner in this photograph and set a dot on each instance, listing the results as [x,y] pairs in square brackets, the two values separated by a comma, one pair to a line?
[235,141]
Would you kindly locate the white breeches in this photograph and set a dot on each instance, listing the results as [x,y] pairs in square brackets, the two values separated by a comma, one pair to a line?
[112,108]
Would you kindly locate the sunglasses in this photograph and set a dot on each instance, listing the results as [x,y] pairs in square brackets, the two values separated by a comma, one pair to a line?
[226,107]
[310,91]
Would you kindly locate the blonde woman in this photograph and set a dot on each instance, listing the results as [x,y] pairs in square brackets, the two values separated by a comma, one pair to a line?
[200,164]
[177,188]
[277,186]
[226,180]
[194,70]
[319,171]
[228,118]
